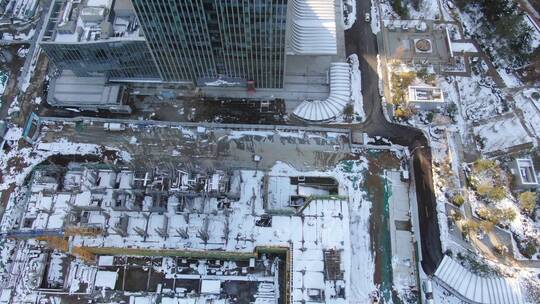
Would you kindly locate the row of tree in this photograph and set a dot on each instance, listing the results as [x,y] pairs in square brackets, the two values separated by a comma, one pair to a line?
[505,23]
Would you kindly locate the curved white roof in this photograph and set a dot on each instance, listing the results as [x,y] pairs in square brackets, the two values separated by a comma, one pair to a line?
[477,289]
[313,27]
[340,95]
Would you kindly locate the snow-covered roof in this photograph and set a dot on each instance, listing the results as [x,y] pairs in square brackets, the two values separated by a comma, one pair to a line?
[475,288]
[340,95]
[313,27]
[210,286]
[106,279]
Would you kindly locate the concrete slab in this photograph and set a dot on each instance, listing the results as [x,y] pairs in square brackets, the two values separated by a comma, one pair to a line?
[402,241]
[401,42]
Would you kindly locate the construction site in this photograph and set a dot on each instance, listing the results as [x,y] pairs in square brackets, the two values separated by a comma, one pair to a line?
[117,234]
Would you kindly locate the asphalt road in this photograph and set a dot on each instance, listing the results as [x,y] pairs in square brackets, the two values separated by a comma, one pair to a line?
[361,41]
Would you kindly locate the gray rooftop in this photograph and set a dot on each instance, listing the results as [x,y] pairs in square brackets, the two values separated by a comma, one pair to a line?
[68,90]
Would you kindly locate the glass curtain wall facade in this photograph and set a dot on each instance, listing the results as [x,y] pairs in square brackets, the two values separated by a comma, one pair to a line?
[205,40]
[118,59]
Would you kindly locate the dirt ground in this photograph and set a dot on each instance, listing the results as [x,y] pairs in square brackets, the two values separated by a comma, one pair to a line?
[13,68]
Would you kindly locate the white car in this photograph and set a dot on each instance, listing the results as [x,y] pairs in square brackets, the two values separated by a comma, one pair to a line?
[367,17]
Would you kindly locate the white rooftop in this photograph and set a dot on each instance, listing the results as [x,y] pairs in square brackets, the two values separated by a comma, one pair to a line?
[340,95]
[313,27]
[106,279]
[425,94]
[477,289]
[80,22]
[211,287]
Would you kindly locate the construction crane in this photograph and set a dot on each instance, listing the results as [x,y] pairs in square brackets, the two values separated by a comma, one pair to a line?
[59,239]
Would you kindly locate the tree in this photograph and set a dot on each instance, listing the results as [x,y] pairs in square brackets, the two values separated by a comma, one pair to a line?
[416,4]
[403,112]
[497,193]
[469,227]
[527,202]
[481,165]
[430,116]
[496,216]
[398,7]
[348,112]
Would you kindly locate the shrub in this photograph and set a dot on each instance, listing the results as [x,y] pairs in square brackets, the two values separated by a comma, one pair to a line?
[483,188]
[527,202]
[496,216]
[482,165]
[456,216]
[500,249]
[403,113]
[528,248]
[497,193]
[458,200]
[486,226]
[469,227]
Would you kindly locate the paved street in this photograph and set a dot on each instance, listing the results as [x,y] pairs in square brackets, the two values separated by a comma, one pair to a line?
[360,40]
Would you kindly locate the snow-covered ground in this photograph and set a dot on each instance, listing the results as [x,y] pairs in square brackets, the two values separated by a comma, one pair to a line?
[463,47]
[356,87]
[530,108]
[428,10]
[375,18]
[19,161]
[340,224]
[502,134]
[479,98]
[350,18]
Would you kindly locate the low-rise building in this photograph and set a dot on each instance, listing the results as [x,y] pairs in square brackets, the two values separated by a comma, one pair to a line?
[86,93]
[525,175]
[426,97]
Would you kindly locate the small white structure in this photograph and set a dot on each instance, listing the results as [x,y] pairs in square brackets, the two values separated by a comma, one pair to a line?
[426,97]
[211,287]
[106,260]
[525,174]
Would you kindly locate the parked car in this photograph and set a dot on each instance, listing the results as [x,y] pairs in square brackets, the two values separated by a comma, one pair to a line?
[428,290]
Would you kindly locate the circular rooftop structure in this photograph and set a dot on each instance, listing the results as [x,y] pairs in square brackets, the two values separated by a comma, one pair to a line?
[423,45]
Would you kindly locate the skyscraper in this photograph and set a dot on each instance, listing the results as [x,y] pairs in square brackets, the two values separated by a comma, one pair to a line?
[95,37]
[208,40]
